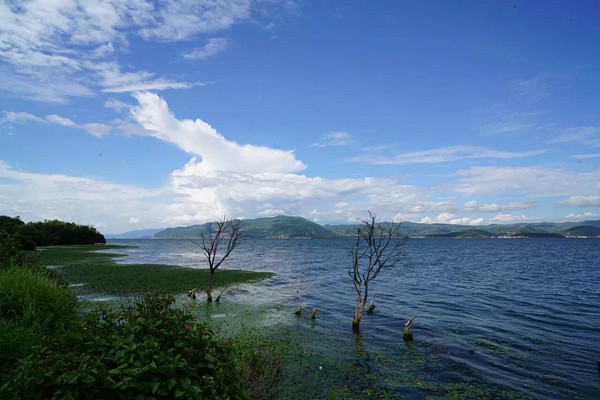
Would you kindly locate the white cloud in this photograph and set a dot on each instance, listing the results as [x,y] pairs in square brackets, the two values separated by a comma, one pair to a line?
[334,139]
[581,201]
[474,206]
[506,218]
[211,48]
[441,155]
[57,119]
[524,181]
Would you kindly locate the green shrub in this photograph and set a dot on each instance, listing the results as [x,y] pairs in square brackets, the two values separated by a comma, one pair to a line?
[32,306]
[9,247]
[35,301]
[147,350]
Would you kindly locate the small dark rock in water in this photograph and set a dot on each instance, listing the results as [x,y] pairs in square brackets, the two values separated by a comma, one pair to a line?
[472,351]
[599,367]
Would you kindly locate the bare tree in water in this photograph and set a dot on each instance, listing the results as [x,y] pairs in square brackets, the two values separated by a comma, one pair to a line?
[221,236]
[376,246]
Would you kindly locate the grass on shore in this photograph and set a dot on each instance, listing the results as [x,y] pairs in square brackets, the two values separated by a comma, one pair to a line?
[100,274]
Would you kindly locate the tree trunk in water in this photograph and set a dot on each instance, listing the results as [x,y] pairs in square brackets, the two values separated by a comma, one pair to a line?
[221,293]
[358,312]
[210,285]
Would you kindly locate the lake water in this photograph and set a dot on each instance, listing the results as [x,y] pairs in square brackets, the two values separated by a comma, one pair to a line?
[512,319]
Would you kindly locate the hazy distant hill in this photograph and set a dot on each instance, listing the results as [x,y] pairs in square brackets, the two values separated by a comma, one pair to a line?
[139,234]
[294,227]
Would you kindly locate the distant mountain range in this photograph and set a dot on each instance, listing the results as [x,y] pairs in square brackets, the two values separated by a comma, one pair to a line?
[284,227]
[139,234]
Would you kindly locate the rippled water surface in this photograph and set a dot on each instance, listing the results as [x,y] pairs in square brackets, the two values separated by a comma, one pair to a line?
[516,318]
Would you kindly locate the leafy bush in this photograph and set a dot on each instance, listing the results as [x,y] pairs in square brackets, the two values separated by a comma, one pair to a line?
[147,350]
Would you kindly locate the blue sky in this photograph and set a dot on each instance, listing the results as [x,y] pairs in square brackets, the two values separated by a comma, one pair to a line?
[143,114]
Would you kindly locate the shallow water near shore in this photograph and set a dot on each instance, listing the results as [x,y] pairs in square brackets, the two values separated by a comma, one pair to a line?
[509,319]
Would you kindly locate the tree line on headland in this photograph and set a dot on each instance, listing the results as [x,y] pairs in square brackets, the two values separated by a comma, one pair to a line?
[47,233]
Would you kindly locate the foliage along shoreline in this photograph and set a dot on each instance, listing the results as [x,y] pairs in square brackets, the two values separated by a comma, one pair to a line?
[56,347]
[48,233]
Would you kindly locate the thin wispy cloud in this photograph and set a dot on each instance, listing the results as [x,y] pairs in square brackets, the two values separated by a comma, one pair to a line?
[53,53]
[211,48]
[475,206]
[581,201]
[586,156]
[442,155]
[57,119]
[93,128]
[584,135]
[535,88]
[334,139]
[524,181]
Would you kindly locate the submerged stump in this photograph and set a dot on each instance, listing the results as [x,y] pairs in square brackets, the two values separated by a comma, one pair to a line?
[408,336]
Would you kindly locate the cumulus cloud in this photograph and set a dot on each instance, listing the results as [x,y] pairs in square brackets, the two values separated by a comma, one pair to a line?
[36,196]
[211,48]
[334,139]
[441,155]
[474,206]
[198,137]
[581,201]
[579,217]
[507,218]
[451,218]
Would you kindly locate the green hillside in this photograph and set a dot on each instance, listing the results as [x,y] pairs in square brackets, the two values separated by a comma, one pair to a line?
[294,227]
[583,230]
[281,226]
[468,234]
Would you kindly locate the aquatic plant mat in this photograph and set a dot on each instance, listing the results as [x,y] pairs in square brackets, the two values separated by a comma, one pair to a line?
[93,272]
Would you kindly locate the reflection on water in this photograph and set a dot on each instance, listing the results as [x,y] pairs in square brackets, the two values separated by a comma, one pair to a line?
[502,318]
